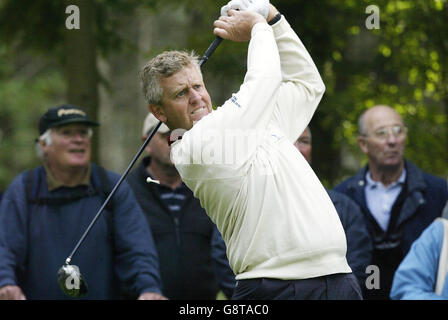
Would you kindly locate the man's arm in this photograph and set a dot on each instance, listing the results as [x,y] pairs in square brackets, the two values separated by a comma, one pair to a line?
[415,278]
[252,106]
[359,243]
[302,87]
[13,244]
[135,253]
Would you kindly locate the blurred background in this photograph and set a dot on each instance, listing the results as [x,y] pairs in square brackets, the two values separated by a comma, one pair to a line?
[404,64]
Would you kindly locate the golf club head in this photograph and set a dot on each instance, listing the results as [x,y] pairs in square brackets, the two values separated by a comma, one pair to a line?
[72,281]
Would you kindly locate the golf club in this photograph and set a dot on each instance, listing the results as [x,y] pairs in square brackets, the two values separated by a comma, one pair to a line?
[70,278]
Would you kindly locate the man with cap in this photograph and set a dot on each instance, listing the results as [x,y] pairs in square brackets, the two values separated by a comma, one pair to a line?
[45,211]
[192,253]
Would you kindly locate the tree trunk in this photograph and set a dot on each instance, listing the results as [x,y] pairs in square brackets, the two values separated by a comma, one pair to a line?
[80,64]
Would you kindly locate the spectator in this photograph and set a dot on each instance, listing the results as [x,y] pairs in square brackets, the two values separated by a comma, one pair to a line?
[0,144]
[416,277]
[359,246]
[398,199]
[192,254]
[45,211]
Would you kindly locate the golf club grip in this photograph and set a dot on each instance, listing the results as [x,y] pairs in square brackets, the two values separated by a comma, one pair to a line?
[210,50]
[153,132]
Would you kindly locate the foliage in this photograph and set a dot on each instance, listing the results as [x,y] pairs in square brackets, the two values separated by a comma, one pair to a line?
[403,64]
[22,101]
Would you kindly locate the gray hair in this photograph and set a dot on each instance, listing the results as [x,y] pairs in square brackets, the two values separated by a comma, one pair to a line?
[47,139]
[362,130]
[164,65]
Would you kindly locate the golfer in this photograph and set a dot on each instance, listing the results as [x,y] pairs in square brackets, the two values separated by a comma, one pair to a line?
[283,235]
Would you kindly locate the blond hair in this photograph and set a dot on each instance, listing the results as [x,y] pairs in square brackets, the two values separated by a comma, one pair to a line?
[164,65]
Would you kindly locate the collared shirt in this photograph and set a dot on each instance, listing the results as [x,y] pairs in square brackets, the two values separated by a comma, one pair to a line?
[380,198]
[53,184]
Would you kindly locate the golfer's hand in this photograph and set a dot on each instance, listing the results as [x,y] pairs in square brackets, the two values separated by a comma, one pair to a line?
[151,296]
[258,6]
[9,292]
[237,26]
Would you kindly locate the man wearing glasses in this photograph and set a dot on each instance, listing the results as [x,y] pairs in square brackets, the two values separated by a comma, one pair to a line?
[398,200]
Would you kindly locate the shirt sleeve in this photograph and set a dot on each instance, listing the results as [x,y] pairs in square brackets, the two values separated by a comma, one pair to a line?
[302,87]
[137,263]
[246,113]
[13,231]
[415,278]
[252,106]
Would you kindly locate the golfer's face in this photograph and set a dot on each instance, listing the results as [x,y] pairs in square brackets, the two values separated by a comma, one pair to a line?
[70,148]
[185,99]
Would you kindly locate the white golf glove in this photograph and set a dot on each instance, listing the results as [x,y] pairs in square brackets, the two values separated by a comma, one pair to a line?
[258,6]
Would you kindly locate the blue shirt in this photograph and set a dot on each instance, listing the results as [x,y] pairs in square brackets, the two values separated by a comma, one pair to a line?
[416,277]
[380,198]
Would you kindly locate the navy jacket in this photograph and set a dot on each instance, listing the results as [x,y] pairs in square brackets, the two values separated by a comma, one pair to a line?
[421,201]
[35,240]
[359,244]
[192,253]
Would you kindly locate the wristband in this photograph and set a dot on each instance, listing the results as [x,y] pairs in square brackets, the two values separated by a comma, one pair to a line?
[276,18]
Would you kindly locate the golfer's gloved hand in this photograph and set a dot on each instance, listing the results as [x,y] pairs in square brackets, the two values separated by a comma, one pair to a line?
[258,6]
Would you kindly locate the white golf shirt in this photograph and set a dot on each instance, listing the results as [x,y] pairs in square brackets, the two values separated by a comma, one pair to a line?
[274,214]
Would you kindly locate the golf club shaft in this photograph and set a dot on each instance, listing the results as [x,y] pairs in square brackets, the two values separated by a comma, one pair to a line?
[210,50]
[114,189]
[203,60]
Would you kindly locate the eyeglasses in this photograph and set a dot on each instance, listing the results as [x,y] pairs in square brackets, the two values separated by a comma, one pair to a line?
[384,133]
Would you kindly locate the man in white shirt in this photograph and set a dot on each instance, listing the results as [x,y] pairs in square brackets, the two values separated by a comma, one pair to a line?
[283,235]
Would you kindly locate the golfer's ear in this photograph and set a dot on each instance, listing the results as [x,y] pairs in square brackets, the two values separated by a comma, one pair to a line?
[157,111]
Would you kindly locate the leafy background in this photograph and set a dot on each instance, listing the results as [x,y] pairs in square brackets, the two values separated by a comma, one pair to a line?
[403,64]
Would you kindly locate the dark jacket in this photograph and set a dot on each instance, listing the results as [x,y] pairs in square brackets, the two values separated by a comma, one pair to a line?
[359,244]
[419,203]
[192,254]
[35,240]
